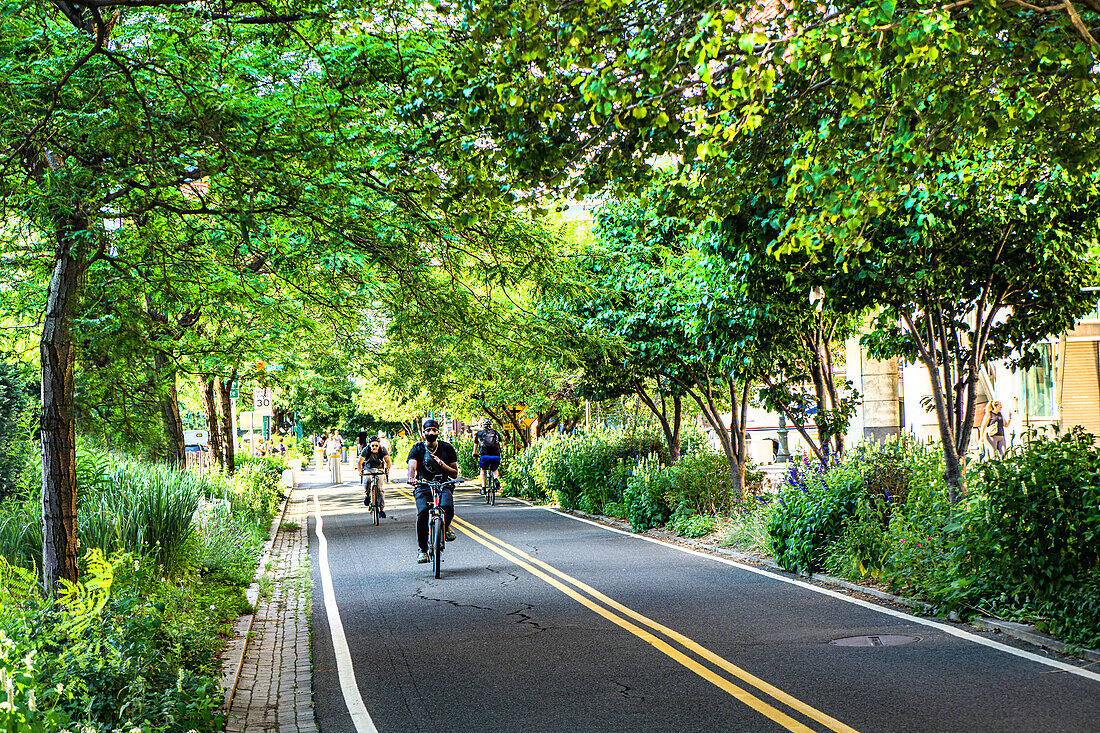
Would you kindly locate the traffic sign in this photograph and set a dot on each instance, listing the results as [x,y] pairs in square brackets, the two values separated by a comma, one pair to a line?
[234,390]
[517,416]
[262,400]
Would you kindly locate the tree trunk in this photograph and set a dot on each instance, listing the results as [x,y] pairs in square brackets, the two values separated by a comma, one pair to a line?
[58,428]
[670,425]
[520,435]
[168,402]
[213,429]
[702,392]
[225,415]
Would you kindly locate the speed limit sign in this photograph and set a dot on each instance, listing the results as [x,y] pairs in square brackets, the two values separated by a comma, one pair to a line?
[261,401]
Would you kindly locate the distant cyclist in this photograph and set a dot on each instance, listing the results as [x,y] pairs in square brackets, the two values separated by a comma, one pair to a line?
[376,457]
[432,459]
[487,451]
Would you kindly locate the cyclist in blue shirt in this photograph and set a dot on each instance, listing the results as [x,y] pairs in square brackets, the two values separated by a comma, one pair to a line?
[432,459]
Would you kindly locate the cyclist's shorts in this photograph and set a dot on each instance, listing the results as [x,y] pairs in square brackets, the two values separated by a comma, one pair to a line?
[489,463]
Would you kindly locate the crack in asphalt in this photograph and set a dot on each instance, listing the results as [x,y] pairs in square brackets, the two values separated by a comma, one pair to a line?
[627,690]
[512,577]
[420,594]
[523,618]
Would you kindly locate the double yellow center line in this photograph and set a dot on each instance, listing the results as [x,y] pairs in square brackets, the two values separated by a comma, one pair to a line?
[625,618]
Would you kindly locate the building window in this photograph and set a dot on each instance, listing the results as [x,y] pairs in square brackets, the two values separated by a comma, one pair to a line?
[1039,385]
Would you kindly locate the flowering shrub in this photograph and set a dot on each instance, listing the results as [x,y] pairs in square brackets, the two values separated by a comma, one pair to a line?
[816,500]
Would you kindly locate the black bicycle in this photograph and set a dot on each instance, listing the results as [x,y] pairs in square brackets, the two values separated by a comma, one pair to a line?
[492,485]
[372,483]
[437,526]
[492,488]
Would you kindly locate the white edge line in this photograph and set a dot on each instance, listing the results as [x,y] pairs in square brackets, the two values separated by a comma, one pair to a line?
[344,668]
[1072,669]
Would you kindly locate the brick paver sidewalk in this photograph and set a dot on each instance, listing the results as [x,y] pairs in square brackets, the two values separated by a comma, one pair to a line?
[274,692]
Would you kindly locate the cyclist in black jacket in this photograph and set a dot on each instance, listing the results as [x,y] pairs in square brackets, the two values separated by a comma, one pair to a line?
[432,459]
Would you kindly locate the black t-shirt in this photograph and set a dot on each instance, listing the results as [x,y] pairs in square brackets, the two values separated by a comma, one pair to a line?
[430,469]
[362,439]
[488,442]
[374,460]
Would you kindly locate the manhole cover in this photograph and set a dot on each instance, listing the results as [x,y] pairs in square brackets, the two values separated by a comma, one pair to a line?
[880,640]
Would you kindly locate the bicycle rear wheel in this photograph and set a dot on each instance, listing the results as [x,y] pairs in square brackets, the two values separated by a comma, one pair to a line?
[437,544]
[494,488]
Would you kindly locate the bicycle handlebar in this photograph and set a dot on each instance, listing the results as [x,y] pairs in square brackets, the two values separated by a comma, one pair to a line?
[425,482]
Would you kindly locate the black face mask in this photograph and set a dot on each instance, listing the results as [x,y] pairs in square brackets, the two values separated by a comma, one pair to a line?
[430,438]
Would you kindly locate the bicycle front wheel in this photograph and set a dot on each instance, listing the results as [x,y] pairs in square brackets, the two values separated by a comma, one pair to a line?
[376,500]
[437,544]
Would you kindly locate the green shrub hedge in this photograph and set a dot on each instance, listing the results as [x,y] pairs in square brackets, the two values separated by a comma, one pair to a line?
[1030,534]
[580,471]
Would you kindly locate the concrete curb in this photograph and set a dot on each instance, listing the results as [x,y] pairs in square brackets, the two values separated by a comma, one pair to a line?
[1030,634]
[1021,632]
[233,657]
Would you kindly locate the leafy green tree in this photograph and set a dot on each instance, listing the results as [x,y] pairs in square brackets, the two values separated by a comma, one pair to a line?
[802,329]
[974,277]
[137,145]
[837,116]
[670,325]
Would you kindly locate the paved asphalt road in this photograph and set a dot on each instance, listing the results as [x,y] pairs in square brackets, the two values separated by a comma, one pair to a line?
[568,626]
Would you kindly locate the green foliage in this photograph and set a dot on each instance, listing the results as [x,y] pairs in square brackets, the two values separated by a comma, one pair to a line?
[811,511]
[230,544]
[1031,530]
[17,423]
[686,524]
[467,464]
[125,505]
[255,493]
[1023,544]
[141,657]
[520,477]
[266,463]
[644,498]
[747,527]
[898,79]
[1073,615]
[141,508]
[580,471]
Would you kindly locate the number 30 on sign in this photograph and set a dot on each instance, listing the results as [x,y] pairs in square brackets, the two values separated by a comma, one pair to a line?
[261,401]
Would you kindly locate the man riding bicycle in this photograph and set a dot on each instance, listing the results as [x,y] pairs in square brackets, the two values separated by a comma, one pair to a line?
[487,451]
[374,456]
[431,460]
